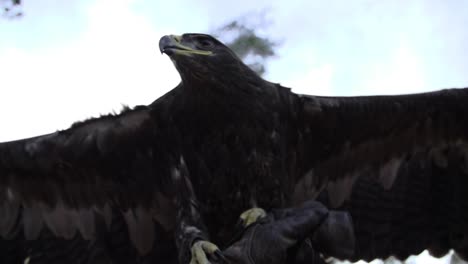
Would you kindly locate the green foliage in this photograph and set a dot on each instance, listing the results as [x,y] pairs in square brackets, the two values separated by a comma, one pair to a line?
[245,41]
[247,44]
[10,8]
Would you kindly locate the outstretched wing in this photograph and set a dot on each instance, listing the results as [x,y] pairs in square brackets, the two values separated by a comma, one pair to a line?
[358,151]
[66,179]
[426,208]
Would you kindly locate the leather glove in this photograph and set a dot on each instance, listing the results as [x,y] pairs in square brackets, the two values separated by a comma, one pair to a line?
[289,236]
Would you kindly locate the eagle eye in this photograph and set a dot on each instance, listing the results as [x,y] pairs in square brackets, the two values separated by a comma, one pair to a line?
[205,43]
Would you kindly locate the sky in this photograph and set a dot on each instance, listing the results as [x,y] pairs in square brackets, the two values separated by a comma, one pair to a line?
[65,61]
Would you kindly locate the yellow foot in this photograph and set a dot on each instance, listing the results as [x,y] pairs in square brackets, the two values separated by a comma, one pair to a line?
[201,249]
[251,216]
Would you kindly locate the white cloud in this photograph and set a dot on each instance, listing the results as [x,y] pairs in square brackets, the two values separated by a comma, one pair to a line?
[401,75]
[424,258]
[114,61]
[315,80]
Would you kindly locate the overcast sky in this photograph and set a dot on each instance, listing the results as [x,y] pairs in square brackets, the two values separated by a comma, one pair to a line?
[69,60]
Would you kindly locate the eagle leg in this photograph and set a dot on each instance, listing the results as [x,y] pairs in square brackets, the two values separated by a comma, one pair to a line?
[251,216]
[200,250]
[191,233]
[192,244]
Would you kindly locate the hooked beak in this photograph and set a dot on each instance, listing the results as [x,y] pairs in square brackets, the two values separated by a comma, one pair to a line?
[172,44]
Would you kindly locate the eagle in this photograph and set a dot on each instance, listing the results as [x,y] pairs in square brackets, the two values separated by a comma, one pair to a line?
[167,182]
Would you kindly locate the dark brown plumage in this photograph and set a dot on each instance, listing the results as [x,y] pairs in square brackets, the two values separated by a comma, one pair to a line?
[225,140]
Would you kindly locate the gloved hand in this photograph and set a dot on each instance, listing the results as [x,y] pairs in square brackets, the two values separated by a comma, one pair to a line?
[289,236]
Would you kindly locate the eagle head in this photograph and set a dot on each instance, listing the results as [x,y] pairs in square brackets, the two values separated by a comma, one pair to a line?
[203,59]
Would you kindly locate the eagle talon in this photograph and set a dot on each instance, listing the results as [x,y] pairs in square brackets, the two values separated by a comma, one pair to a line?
[201,249]
[251,216]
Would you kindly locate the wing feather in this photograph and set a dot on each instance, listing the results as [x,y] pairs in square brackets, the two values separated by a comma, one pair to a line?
[398,164]
[345,136]
[32,221]
[64,179]
[426,208]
